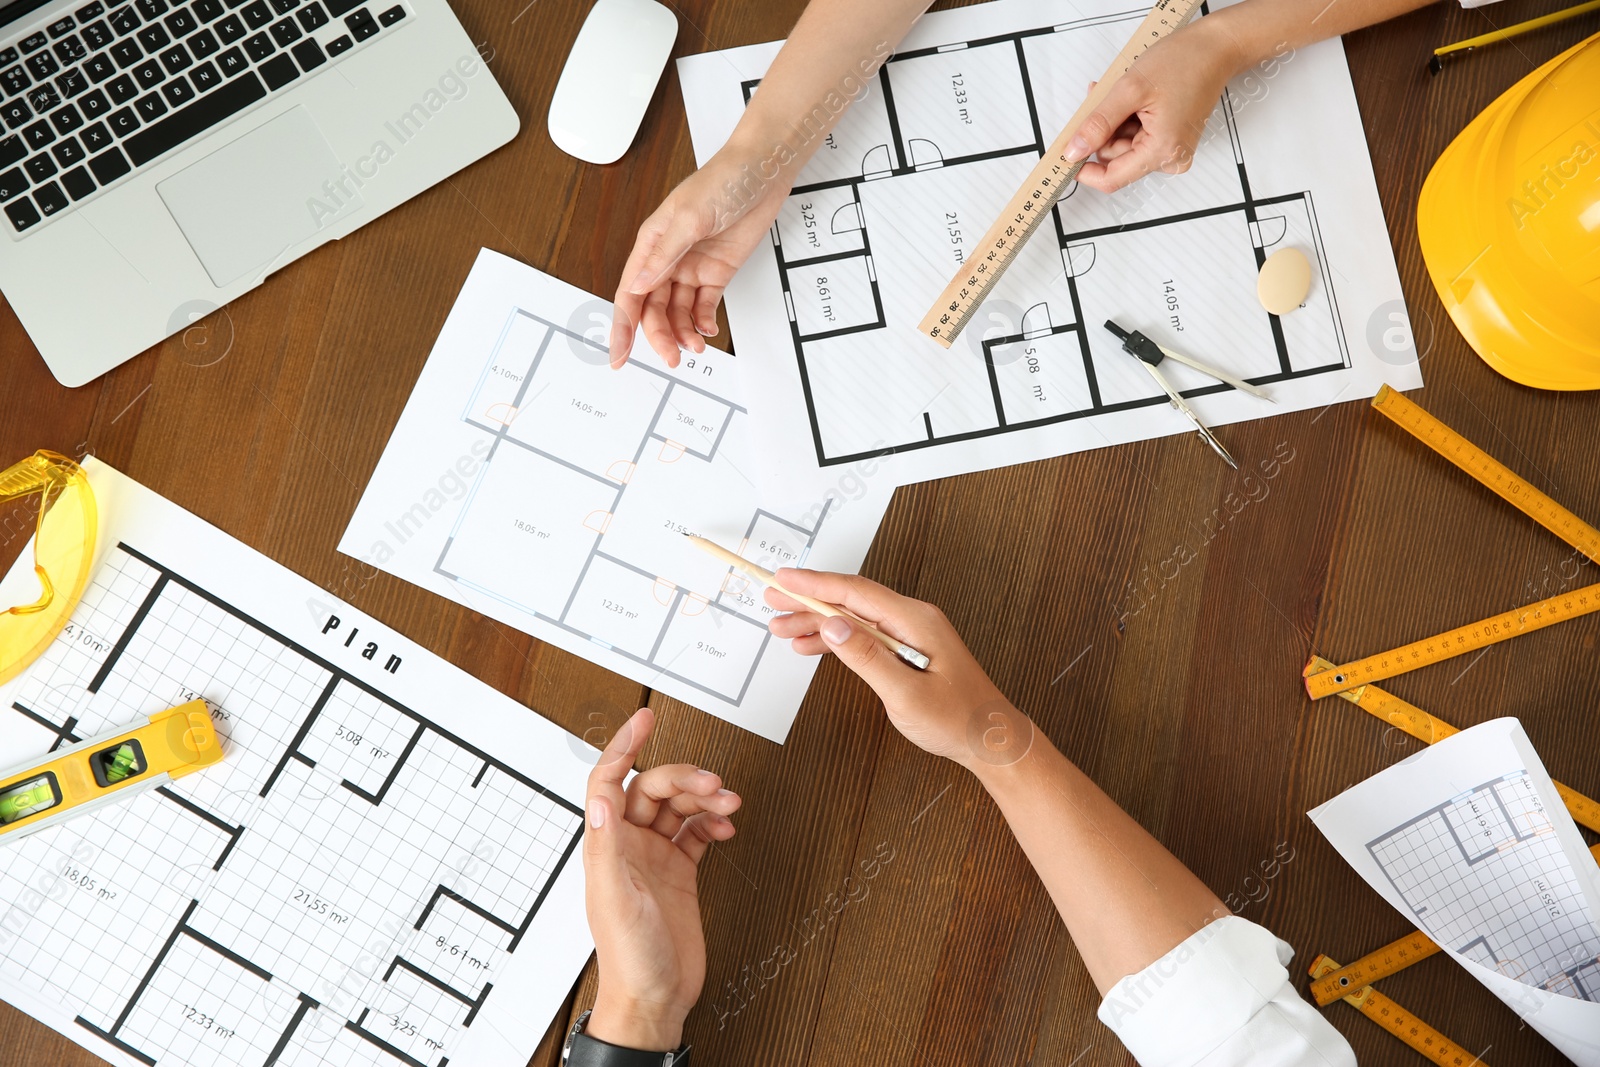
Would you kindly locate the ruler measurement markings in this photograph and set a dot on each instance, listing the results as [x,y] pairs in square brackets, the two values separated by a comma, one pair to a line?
[1428,728]
[1500,479]
[1402,1023]
[1395,956]
[1463,639]
[960,299]
[1489,471]
[1352,683]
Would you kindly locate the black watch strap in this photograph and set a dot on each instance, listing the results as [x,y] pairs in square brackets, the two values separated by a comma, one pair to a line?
[581,1050]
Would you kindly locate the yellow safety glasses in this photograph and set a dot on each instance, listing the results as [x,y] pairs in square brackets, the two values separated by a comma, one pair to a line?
[63,550]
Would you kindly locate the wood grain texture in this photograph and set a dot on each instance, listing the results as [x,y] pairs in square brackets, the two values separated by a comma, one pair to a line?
[1178,689]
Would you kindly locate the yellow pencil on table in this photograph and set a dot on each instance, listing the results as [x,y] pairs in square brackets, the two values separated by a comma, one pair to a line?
[1436,61]
[821,607]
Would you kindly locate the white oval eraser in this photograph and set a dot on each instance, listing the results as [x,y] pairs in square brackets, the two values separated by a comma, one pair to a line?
[610,76]
[1284,281]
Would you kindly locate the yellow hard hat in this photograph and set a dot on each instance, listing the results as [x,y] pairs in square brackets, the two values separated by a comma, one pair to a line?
[1509,223]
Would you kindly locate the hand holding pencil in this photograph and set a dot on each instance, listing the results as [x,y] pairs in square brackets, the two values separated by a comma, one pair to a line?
[951,710]
[948,706]
[770,580]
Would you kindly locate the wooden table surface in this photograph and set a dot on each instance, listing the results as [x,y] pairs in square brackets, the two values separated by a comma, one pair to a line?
[1180,695]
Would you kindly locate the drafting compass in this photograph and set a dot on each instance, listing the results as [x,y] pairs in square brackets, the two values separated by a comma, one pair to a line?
[1150,354]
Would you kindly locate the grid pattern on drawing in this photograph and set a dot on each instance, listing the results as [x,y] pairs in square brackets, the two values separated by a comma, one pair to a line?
[358,738]
[95,902]
[325,889]
[1523,809]
[258,688]
[299,897]
[414,1016]
[458,944]
[212,860]
[204,1008]
[325,1038]
[1486,875]
[521,835]
[56,686]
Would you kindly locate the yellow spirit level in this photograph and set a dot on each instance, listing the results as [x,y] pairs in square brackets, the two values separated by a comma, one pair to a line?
[103,770]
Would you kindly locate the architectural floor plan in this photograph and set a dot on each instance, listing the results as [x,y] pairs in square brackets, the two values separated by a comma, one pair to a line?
[358,883]
[1469,839]
[584,481]
[902,189]
[1475,847]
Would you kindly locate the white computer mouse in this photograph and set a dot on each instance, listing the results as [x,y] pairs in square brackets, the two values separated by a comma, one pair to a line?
[610,76]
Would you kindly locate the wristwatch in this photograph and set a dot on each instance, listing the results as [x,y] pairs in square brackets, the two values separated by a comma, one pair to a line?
[581,1050]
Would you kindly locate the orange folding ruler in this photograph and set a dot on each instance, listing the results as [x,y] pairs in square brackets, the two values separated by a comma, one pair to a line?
[1530,501]
[1401,1022]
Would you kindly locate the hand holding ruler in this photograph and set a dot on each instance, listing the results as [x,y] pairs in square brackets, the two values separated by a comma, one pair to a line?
[1030,206]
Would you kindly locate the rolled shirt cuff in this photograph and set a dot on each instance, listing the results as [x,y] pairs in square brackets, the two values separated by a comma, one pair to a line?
[1222,998]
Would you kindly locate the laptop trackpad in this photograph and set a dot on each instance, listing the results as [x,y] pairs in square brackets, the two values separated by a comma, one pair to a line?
[247,203]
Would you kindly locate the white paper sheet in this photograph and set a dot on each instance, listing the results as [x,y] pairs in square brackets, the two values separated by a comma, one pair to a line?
[531,482]
[1470,841]
[383,865]
[910,179]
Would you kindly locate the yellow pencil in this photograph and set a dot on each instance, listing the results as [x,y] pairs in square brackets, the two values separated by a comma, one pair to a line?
[1436,62]
[821,607]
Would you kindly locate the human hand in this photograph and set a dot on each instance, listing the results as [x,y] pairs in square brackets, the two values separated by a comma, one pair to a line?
[688,251]
[1154,114]
[951,709]
[640,856]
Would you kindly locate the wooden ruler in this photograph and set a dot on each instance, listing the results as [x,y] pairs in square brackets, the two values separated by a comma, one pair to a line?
[1401,1023]
[1457,642]
[1493,474]
[1488,471]
[1028,209]
[1397,956]
[1429,728]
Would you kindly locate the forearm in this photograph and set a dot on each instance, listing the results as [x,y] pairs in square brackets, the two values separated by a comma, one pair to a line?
[828,62]
[1125,899]
[1255,30]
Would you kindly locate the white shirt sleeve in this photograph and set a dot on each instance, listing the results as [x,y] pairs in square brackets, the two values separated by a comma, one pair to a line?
[1222,999]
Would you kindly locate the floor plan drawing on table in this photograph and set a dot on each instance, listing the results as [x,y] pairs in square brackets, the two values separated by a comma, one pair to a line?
[593,550]
[585,481]
[1447,861]
[381,872]
[1469,839]
[903,188]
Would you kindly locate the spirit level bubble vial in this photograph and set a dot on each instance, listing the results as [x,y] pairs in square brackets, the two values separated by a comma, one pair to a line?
[106,769]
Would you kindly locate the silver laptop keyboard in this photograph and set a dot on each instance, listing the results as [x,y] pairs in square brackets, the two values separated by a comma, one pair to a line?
[110,88]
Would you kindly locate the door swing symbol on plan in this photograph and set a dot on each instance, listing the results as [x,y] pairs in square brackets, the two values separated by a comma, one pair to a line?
[902,189]
[357,883]
[582,482]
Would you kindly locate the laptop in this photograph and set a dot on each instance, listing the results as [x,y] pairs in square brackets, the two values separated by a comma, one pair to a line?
[160,157]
